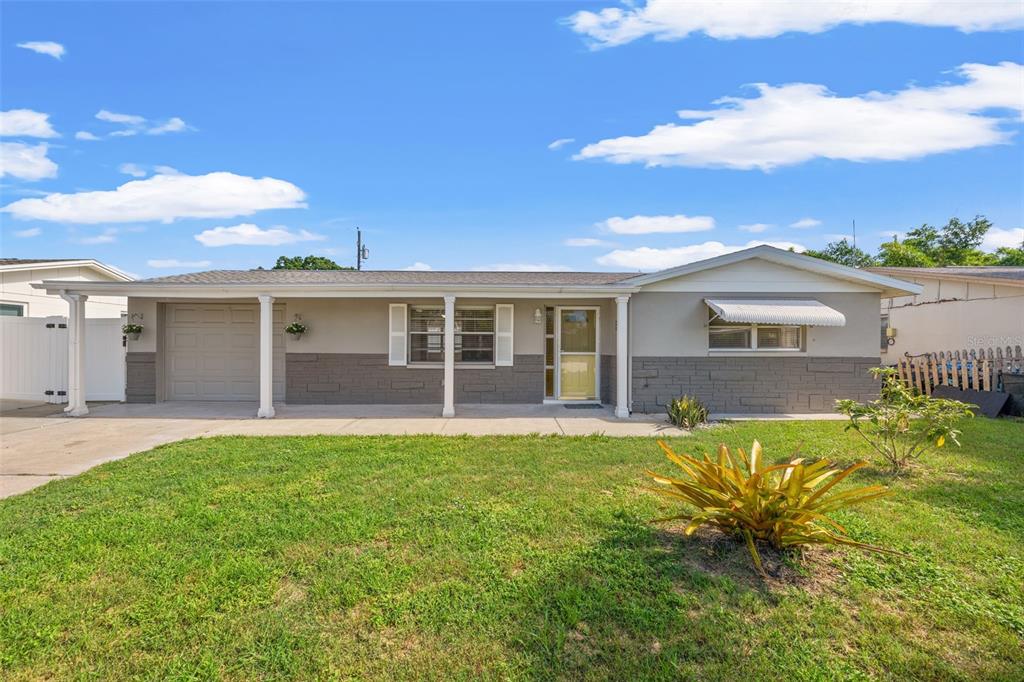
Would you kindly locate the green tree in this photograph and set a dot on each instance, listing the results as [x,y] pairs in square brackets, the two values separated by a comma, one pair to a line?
[844,253]
[955,244]
[308,263]
[896,255]
[1006,255]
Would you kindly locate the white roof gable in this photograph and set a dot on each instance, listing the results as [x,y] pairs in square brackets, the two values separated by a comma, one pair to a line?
[103,268]
[768,269]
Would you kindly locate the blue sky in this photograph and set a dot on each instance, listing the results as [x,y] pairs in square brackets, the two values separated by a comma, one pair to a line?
[430,126]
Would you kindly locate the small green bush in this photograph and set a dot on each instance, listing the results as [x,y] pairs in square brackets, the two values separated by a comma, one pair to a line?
[687,412]
[904,425]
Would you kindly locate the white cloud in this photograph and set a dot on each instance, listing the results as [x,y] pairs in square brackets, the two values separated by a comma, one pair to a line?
[30,232]
[26,162]
[124,119]
[998,237]
[646,258]
[108,236]
[47,47]
[797,122]
[165,198]
[521,267]
[174,125]
[418,266]
[135,124]
[806,223]
[85,135]
[586,241]
[756,228]
[175,263]
[673,20]
[650,224]
[247,234]
[132,169]
[166,170]
[25,123]
[561,142]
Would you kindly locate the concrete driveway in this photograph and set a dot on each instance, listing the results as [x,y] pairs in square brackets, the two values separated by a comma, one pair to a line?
[38,444]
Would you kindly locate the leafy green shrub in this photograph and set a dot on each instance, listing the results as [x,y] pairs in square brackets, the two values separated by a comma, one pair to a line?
[904,425]
[687,412]
[784,505]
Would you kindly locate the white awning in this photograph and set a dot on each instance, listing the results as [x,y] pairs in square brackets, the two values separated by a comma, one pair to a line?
[776,311]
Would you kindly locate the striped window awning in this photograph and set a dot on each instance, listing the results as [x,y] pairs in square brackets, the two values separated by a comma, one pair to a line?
[776,311]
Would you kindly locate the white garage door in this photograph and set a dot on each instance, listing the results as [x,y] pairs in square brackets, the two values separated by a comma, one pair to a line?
[212,352]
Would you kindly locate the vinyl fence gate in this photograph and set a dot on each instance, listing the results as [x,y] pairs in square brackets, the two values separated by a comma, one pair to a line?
[34,359]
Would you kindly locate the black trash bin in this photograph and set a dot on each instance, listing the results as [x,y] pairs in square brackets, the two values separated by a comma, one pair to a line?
[1013,385]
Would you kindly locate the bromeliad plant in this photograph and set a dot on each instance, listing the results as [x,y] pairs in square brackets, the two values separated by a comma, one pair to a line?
[904,425]
[687,412]
[785,505]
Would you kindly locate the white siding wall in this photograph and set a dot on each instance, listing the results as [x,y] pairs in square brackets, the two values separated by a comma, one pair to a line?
[984,315]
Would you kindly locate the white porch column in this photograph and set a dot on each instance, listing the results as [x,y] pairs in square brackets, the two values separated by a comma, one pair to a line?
[266,410]
[449,357]
[76,355]
[621,356]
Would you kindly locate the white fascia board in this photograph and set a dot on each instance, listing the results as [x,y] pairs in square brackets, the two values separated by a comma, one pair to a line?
[888,286]
[56,265]
[173,290]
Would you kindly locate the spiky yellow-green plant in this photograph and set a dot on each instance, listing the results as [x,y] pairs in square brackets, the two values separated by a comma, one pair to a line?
[784,504]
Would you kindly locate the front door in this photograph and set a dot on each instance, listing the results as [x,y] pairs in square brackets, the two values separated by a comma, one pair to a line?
[577,353]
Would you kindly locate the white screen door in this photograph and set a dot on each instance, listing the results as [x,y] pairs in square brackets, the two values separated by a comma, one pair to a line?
[577,353]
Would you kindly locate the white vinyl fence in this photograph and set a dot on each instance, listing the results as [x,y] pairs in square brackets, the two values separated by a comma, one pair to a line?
[34,359]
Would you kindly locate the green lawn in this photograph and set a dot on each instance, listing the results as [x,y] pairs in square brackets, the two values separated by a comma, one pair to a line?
[516,557]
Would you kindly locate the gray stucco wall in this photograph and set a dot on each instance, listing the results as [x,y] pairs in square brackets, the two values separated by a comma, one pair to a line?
[753,385]
[674,324]
[366,378]
[140,377]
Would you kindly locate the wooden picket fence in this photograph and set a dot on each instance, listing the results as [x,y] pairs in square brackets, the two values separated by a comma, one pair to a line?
[978,370]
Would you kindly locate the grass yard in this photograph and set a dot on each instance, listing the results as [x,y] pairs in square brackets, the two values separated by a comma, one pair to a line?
[511,557]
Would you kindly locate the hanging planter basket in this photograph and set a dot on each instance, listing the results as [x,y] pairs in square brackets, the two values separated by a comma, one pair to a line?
[132,331]
[296,329]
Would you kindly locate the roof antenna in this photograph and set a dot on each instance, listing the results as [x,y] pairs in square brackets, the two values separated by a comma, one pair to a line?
[362,252]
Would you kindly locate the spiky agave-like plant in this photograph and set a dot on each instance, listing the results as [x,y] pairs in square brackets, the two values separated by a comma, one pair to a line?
[785,504]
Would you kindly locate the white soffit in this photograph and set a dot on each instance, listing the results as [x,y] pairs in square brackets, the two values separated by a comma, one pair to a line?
[776,311]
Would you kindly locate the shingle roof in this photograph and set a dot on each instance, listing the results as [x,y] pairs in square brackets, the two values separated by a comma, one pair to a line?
[994,272]
[30,261]
[438,277]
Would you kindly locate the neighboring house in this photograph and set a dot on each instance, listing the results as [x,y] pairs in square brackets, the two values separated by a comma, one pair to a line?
[958,308]
[756,331]
[19,299]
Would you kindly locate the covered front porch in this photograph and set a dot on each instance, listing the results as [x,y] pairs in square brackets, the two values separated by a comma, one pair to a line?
[449,354]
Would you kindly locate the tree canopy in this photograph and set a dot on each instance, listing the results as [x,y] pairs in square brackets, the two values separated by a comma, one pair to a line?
[308,263]
[956,243]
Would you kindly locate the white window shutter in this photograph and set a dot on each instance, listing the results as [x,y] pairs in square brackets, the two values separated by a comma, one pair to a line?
[397,337]
[503,314]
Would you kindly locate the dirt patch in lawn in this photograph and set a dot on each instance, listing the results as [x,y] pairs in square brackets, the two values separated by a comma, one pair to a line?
[711,551]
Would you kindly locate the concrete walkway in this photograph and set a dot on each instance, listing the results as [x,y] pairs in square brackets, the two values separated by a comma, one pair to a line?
[39,444]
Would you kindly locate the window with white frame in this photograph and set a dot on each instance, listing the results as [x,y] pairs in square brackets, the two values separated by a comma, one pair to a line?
[474,334]
[770,337]
[12,309]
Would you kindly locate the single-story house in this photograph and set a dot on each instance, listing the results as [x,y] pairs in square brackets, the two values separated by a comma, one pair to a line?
[958,308]
[755,331]
[19,299]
